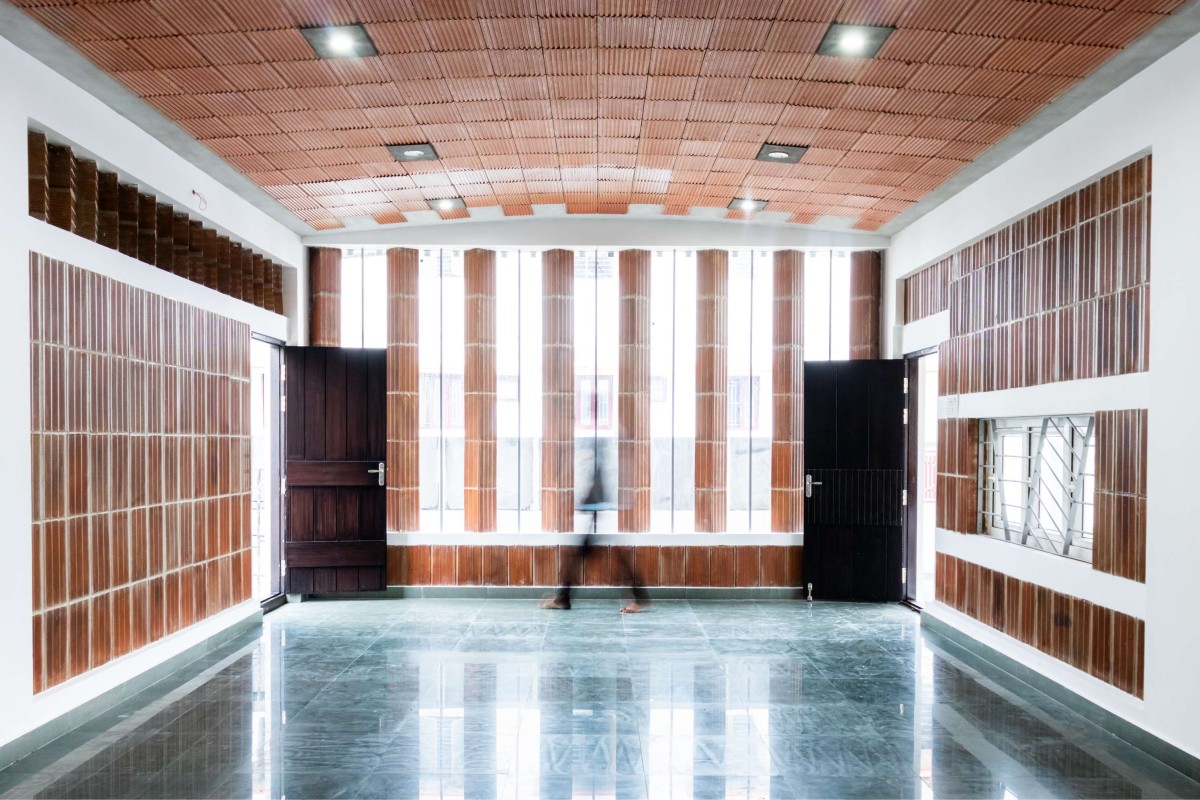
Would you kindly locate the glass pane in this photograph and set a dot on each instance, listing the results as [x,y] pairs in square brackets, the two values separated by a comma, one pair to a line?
[839,306]
[429,362]
[589,488]
[684,394]
[762,349]
[374,298]
[352,298]
[738,401]
[662,389]
[509,456]
[530,390]
[816,306]
[454,352]
[607,348]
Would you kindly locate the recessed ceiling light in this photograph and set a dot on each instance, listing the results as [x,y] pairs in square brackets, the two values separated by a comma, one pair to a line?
[413,152]
[746,204]
[853,41]
[447,204]
[781,153]
[340,41]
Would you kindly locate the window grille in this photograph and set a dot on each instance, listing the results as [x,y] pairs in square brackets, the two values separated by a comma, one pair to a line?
[1037,482]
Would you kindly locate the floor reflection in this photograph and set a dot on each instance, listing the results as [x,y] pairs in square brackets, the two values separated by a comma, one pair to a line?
[499,699]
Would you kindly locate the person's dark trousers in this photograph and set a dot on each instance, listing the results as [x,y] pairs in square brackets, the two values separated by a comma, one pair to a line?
[573,565]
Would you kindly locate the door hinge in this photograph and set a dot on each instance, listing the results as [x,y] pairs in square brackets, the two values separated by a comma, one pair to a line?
[906,416]
[283,403]
[283,373]
[906,385]
[282,567]
[283,486]
[904,497]
[904,575]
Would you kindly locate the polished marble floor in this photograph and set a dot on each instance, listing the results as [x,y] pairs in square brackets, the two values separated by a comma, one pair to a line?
[500,699]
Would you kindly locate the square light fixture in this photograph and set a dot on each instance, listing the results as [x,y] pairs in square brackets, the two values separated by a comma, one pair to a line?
[413,152]
[747,204]
[853,41]
[447,204]
[340,41]
[780,153]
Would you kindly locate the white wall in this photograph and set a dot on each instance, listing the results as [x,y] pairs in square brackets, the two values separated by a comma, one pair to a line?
[32,94]
[1158,111]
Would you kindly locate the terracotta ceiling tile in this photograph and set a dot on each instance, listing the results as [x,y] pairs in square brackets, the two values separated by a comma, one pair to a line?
[563,87]
[391,217]
[489,130]
[570,62]
[835,140]
[755,113]
[623,61]
[315,139]
[524,88]
[847,119]
[984,132]
[423,95]
[1021,55]
[818,94]
[875,143]
[305,13]
[833,69]
[227,103]
[243,16]
[942,166]
[908,101]
[356,71]
[1011,112]
[1001,18]
[117,56]
[148,83]
[1077,60]
[206,127]
[625,86]
[226,48]
[791,36]
[869,98]
[726,63]
[465,9]
[510,33]
[442,133]
[1059,23]
[304,74]
[132,20]
[682,33]
[324,223]
[669,88]
[790,66]
[939,128]
[290,121]
[676,62]
[872,12]
[454,34]
[1042,88]
[745,132]
[939,78]
[568,32]
[252,77]
[961,106]
[992,83]
[719,88]
[626,31]
[934,15]
[966,50]
[963,150]
[908,44]
[281,45]
[188,16]
[892,74]
[256,125]
[738,34]
[292,160]
[168,52]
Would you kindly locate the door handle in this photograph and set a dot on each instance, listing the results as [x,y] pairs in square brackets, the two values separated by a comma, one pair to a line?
[808,484]
[381,472]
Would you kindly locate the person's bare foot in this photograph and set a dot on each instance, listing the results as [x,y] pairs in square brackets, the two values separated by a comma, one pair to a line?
[556,603]
[633,608]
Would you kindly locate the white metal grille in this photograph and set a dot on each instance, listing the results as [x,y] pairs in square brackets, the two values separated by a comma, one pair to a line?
[1037,482]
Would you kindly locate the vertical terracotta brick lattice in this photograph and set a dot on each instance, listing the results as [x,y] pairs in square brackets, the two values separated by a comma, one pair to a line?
[633,393]
[958,475]
[787,439]
[403,379]
[325,295]
[712,385]
[39,176]
[61,212]
[479,389]
[140,465]
[1104,643]
[927,292]
[865,278]
[558,391]
[73,194]
[1119,546]
[1063,294]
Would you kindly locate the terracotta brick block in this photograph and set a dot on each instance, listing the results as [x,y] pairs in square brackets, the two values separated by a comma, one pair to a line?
[697,565]
[443,565]
[647,561]
[545,566]
[520,566]
[672,566]
[722,566]
[495,565]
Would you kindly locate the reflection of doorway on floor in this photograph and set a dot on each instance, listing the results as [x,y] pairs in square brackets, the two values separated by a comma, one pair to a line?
[927,385]
[264,468]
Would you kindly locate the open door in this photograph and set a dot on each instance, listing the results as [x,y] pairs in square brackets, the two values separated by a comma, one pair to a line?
[854,479]
[336,530]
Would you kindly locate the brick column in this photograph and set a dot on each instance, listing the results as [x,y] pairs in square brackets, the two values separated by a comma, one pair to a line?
[325,293]
[147,228]
[39,176]
[403,384]
[787,440]
[108,217]
[479,385]
[86,194]
[712,383]
[633,393]
[558,391]
[62,187]
[127,219]
[864,304]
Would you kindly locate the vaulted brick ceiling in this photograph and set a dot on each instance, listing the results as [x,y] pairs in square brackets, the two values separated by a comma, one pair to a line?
[599,104]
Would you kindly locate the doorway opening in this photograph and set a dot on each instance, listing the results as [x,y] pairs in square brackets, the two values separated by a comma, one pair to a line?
[265,410]
[921,521]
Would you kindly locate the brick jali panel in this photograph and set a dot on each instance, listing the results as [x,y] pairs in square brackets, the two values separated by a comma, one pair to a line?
[140,465]
[633,393]
[787,440]
[693,566]
[479,391]
[1104,643]
[72,194]
[1063,294]
[865,278]
[558,391]
[958,475]
[927,292]
[1119,546]
[403,432]
[712,386]
[325,295]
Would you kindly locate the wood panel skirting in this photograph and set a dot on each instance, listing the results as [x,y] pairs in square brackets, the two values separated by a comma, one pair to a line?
[403,387]
[325,296]
[712,386]
[633,393]
[539,565]
[866,267]
[1119,547]
[140,454]
[1106,644]
[958,475]
[787,438]
[73,194]
[558,391]
[479,483]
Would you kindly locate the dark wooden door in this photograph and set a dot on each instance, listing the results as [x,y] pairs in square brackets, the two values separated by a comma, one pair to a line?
[335,536]
[854,454]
